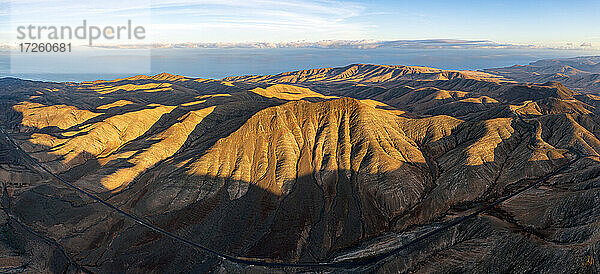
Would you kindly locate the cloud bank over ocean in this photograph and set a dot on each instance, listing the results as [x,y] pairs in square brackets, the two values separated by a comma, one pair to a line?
[353,44]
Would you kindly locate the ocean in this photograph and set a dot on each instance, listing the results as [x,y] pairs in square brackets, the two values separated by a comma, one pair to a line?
[219,63]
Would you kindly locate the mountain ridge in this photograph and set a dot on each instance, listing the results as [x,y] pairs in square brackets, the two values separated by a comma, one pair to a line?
[579,73]
[365,73]
[305,166]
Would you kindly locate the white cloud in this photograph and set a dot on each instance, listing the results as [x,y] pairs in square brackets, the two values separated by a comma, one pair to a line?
[349,44]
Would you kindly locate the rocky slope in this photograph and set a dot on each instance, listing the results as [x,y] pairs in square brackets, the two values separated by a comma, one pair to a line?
[351,165]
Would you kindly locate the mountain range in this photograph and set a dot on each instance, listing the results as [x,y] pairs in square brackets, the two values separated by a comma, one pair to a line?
[363,168]
[578,73]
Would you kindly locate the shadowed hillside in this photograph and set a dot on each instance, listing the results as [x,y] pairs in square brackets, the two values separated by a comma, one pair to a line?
[372,166]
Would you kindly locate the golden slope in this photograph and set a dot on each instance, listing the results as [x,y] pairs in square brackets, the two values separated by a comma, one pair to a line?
[40,116]
[99,139]
[289,92]
[366,73]
[167,143]
[324,141]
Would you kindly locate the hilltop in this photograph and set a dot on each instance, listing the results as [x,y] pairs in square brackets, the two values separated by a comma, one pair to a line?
[322,165]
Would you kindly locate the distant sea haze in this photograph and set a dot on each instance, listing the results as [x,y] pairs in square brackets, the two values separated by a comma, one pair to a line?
[218,63]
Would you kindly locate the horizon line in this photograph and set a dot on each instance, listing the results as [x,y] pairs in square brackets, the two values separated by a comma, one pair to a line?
[434,43]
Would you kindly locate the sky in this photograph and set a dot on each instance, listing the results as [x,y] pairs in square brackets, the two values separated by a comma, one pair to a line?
[546,23]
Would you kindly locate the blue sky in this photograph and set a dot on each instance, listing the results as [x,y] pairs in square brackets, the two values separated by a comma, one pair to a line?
[543,23]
